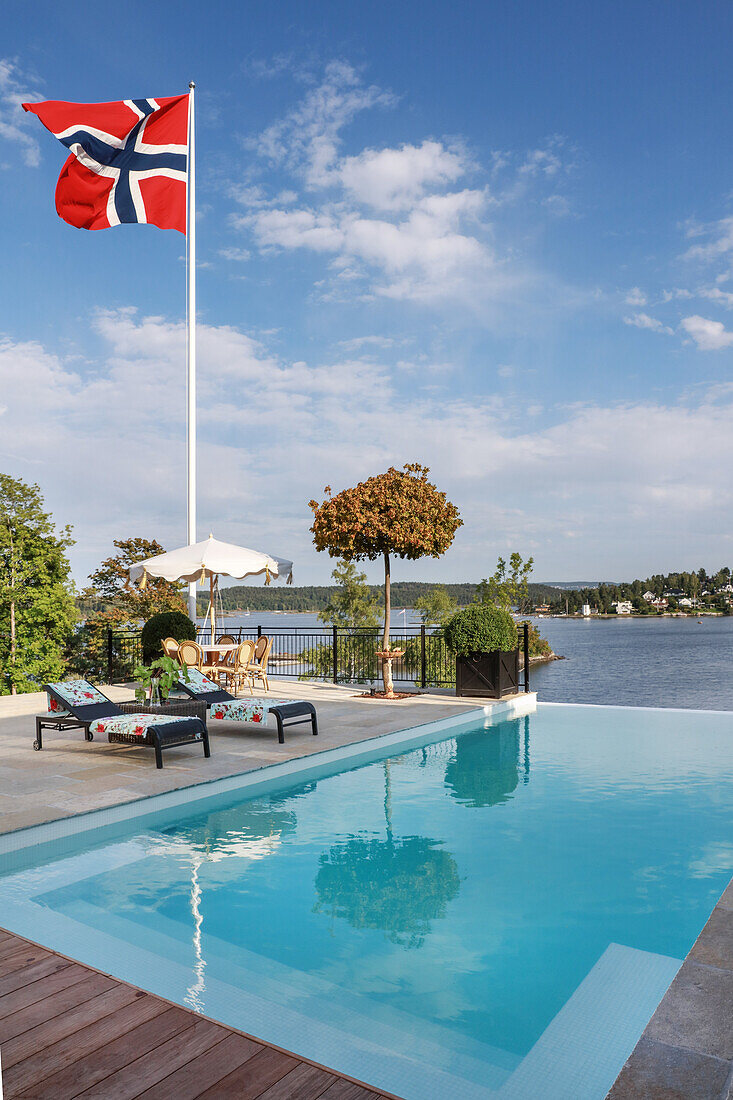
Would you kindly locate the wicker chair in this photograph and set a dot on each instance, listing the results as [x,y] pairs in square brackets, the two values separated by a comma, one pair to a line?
[238,669]
[192,655]
[226,639]
[257,667]
[170,647]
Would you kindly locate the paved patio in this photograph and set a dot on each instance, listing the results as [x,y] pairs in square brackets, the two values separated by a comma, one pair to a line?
[70,775]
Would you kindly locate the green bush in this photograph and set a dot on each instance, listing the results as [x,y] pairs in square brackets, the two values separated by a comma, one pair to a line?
[481,628]
[166,624]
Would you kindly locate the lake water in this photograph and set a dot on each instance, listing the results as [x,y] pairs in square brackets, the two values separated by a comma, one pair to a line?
[653,662]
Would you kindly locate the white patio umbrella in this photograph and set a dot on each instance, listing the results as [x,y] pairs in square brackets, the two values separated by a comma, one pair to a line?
[211,559]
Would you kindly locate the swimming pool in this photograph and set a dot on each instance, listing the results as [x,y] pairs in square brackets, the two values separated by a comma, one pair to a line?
[487,911]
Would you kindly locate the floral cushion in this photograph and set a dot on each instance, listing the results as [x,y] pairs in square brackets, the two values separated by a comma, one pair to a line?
[79,693]
[54,707]
[245,710]
[132,725]
[198,683]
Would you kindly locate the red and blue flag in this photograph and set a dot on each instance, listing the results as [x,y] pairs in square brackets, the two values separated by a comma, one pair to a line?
[128,161]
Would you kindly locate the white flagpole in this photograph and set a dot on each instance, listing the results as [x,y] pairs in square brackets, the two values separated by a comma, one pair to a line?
[191,339]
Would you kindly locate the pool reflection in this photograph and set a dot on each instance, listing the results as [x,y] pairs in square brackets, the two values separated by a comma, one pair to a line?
[484,767]
[399,886]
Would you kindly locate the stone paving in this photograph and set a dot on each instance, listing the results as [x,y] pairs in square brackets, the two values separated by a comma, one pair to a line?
[686,1051]
[71,775]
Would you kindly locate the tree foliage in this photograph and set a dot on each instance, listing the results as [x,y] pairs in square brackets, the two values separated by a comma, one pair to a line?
[398,513]
[351,604]
[437,607]
[508,586]
[113,602]
[37,609]
[125,602]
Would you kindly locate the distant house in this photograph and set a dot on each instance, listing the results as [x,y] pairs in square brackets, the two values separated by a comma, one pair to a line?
[649,597]
[623,607]
[727,588]
[542,608]
[660,604]
[685,601]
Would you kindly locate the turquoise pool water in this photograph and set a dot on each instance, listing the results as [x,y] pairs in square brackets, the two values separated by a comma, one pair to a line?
[494,913]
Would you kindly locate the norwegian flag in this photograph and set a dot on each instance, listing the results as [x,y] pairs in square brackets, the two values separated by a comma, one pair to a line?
[128,161]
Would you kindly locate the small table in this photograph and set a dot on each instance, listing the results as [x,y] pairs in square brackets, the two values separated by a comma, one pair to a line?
[220,650]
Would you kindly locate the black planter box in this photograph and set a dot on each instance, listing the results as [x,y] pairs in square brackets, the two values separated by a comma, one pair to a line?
[491,675]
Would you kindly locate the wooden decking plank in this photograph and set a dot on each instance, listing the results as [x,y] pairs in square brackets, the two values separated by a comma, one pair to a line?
[115,1051]
[73,1048]
[38,981]
[305,1081]
[250,1080]
[193,1078]
[70,1031]
[51,1006]
[128,1082]
[348,1090]
[52,1031]
[20,957]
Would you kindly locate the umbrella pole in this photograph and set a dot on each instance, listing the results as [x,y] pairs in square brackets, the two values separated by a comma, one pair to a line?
[213,610]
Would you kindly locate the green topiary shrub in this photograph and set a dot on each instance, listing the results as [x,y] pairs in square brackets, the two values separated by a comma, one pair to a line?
[481,628]
[166,624]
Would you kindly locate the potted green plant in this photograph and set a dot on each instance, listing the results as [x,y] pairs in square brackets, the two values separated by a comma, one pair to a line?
[154,681]
[484,640]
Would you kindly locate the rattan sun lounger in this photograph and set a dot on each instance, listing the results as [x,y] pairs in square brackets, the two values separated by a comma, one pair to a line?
[77,704]
[227,708]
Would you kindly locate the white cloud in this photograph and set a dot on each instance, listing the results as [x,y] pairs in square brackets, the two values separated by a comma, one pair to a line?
[717,240]
[635,297]
[643,320]
[106,442]
[403,222]
[708,335]
[308,138]
[715,294]
[240,254]
[394,179]
[15,124]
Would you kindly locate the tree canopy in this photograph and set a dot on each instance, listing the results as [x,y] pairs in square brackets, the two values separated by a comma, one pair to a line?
[351,603]
[398,513]
[125,602]
[508,586]
[37,610]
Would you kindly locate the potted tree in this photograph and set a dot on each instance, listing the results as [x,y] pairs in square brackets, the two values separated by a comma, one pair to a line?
[484,640]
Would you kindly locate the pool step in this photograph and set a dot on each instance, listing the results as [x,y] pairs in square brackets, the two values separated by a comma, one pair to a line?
[580,1053]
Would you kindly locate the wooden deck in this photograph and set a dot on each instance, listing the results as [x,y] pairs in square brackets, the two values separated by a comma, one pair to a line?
[67,1030]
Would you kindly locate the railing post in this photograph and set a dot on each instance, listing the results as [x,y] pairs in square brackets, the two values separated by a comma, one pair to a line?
[335,655]
[526,656]
[259,632]
[109,654]
[423,669]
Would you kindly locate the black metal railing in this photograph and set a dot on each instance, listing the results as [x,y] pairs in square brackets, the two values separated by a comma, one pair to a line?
[341,655]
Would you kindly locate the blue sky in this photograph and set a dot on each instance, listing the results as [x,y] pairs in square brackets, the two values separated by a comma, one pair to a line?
[493,238]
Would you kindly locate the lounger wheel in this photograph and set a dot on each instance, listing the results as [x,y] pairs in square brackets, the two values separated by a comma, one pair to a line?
[90,737]
[37,745]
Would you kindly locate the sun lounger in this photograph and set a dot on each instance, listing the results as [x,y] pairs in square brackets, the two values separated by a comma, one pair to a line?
[225,707]
[77,704]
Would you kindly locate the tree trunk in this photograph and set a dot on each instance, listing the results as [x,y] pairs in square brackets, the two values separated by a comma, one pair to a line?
[387,665]
[13,689]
